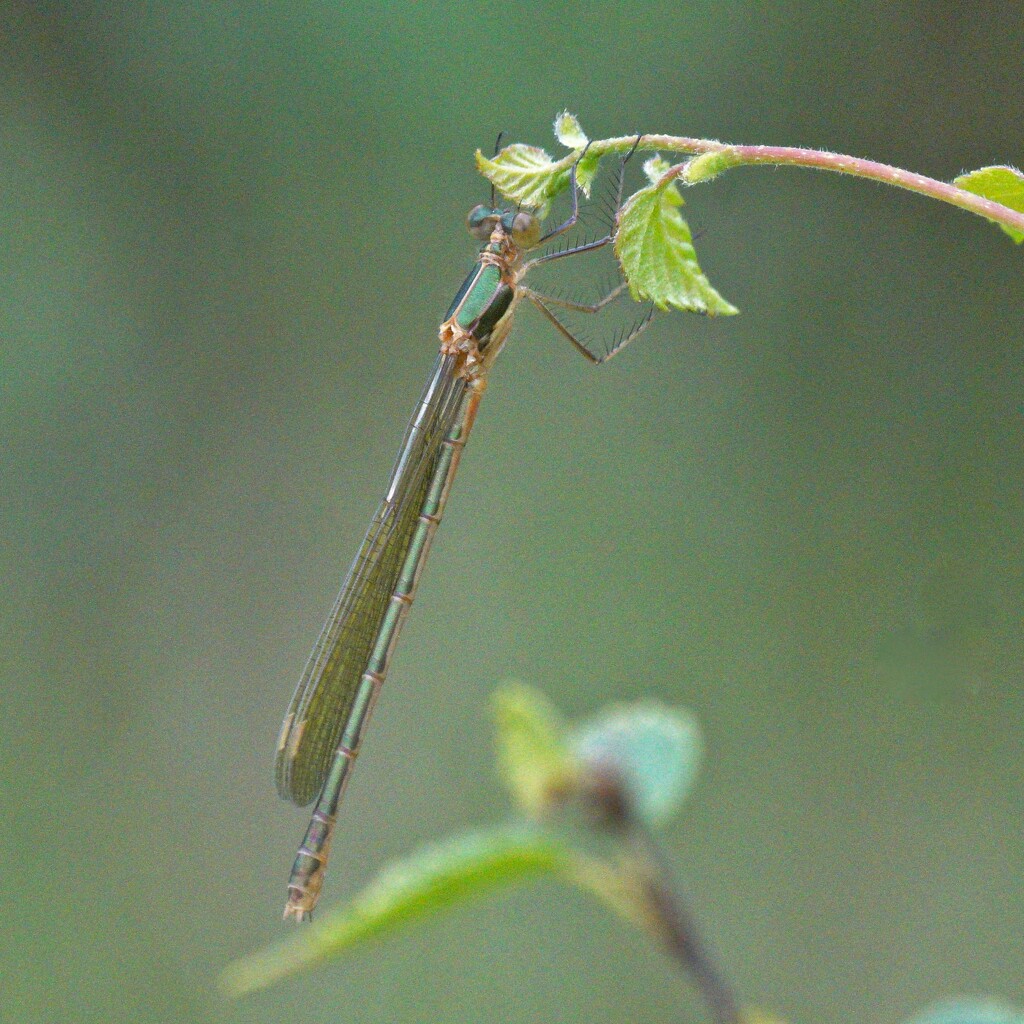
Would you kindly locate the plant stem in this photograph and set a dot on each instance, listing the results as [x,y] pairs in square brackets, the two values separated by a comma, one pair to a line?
[793,156]
[682,938]
[665,907]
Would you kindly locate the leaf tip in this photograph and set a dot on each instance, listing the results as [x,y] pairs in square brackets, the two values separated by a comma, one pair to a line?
[568,131]
[483,163]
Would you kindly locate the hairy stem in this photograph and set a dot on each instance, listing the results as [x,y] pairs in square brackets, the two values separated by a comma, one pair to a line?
[721,156]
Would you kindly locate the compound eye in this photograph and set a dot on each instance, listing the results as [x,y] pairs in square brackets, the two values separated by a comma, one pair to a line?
[525,230]
[481,221]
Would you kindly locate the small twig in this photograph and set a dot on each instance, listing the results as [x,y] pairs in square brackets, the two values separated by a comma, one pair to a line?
[668,909]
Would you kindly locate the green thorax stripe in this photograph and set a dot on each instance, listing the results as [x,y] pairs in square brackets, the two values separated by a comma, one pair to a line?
[477,294]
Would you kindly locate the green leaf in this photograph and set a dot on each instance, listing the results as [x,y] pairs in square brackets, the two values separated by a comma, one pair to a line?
[616,885]
[434,879]
[657,749]
[568,131]
[570,134]
[533,750]
[525,174]
[654,246]
[969,1011]
[1004,185]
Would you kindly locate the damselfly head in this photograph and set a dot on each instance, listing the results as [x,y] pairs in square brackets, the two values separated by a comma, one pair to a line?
[522,226]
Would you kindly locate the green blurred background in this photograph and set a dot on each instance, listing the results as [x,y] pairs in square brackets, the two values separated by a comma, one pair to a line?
[228,234]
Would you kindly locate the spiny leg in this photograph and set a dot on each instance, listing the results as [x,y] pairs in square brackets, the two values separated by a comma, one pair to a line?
[632,334]
[574,216]
[577,307]
[641,325]
[575,213]
[544,302]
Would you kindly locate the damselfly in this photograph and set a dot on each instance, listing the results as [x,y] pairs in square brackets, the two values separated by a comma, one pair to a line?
[324,726]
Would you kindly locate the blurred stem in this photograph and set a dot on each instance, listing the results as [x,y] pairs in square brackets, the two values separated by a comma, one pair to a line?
[665,910]
[679,933]
[712,157]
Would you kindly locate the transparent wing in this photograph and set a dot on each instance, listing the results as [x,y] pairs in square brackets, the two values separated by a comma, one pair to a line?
[323,699]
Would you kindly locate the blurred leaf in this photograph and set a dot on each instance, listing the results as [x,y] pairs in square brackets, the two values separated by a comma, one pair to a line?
[654,246]
[969,1011]
[433,879]
[533,750]
[568,131]
[1004,185]
[618,887]
[751,1015]
[657,750]
[524,174]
